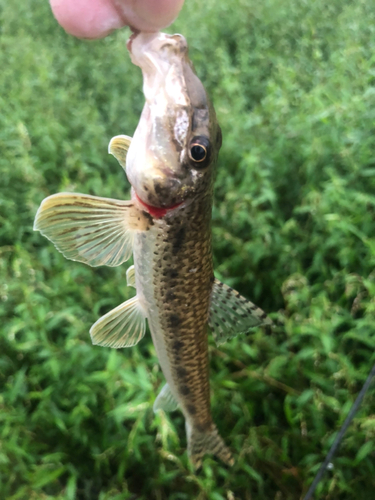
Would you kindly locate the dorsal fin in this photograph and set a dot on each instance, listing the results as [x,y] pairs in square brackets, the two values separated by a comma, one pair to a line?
[231,314]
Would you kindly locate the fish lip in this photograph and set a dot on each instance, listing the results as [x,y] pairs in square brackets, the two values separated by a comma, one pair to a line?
[157,212]
[129,43]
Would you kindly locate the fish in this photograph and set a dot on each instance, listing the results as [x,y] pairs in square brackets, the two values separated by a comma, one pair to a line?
[170,163]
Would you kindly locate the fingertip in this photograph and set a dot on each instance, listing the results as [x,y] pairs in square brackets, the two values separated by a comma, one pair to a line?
[155,15]
[97,18]
[87,19]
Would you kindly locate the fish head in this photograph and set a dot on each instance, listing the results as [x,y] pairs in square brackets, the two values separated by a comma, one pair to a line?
[174,149]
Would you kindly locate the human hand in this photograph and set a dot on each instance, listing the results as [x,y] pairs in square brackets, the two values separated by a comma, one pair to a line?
[97,18]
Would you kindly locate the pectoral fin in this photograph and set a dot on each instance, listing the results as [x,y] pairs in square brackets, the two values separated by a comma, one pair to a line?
[165,400]
[89,229]
[118,147]
[124,326]
[231,314]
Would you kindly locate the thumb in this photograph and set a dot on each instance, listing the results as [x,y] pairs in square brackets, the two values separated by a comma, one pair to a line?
[97,18]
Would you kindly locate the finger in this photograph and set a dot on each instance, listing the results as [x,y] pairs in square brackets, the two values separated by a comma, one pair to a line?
[150,15]
[87,18]
[97,18]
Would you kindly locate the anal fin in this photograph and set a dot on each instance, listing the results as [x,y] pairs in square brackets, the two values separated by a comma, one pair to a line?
[231,314]
[165,400]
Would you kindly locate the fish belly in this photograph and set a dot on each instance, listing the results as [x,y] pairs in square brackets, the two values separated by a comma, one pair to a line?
[147,292]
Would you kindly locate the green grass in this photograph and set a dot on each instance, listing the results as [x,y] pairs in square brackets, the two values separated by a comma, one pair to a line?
[294,222]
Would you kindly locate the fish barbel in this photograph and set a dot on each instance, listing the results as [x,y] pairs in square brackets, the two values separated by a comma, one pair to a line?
[170,163]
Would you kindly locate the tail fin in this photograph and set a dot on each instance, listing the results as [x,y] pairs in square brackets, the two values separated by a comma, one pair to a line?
[208,441]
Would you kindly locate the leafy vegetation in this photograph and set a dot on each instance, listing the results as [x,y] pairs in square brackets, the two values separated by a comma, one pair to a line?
[294,88]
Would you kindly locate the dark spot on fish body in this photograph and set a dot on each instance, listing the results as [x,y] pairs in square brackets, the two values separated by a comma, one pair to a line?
[174,320]
[171,273]
[181,372]
[178,220]
[178,240]
[203,427]
[170,295]
[184,390]
[149,217]
[191,409]
[163,190]
[177,345]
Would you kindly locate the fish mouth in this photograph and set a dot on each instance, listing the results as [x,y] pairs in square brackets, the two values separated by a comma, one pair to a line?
[129,43]
[156,212]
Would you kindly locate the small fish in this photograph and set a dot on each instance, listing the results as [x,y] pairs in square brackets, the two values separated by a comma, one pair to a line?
[170,163]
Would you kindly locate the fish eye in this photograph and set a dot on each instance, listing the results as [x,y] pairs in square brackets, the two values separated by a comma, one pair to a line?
[199,150]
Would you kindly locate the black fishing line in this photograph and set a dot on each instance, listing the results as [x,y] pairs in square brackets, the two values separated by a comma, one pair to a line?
[340,435]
